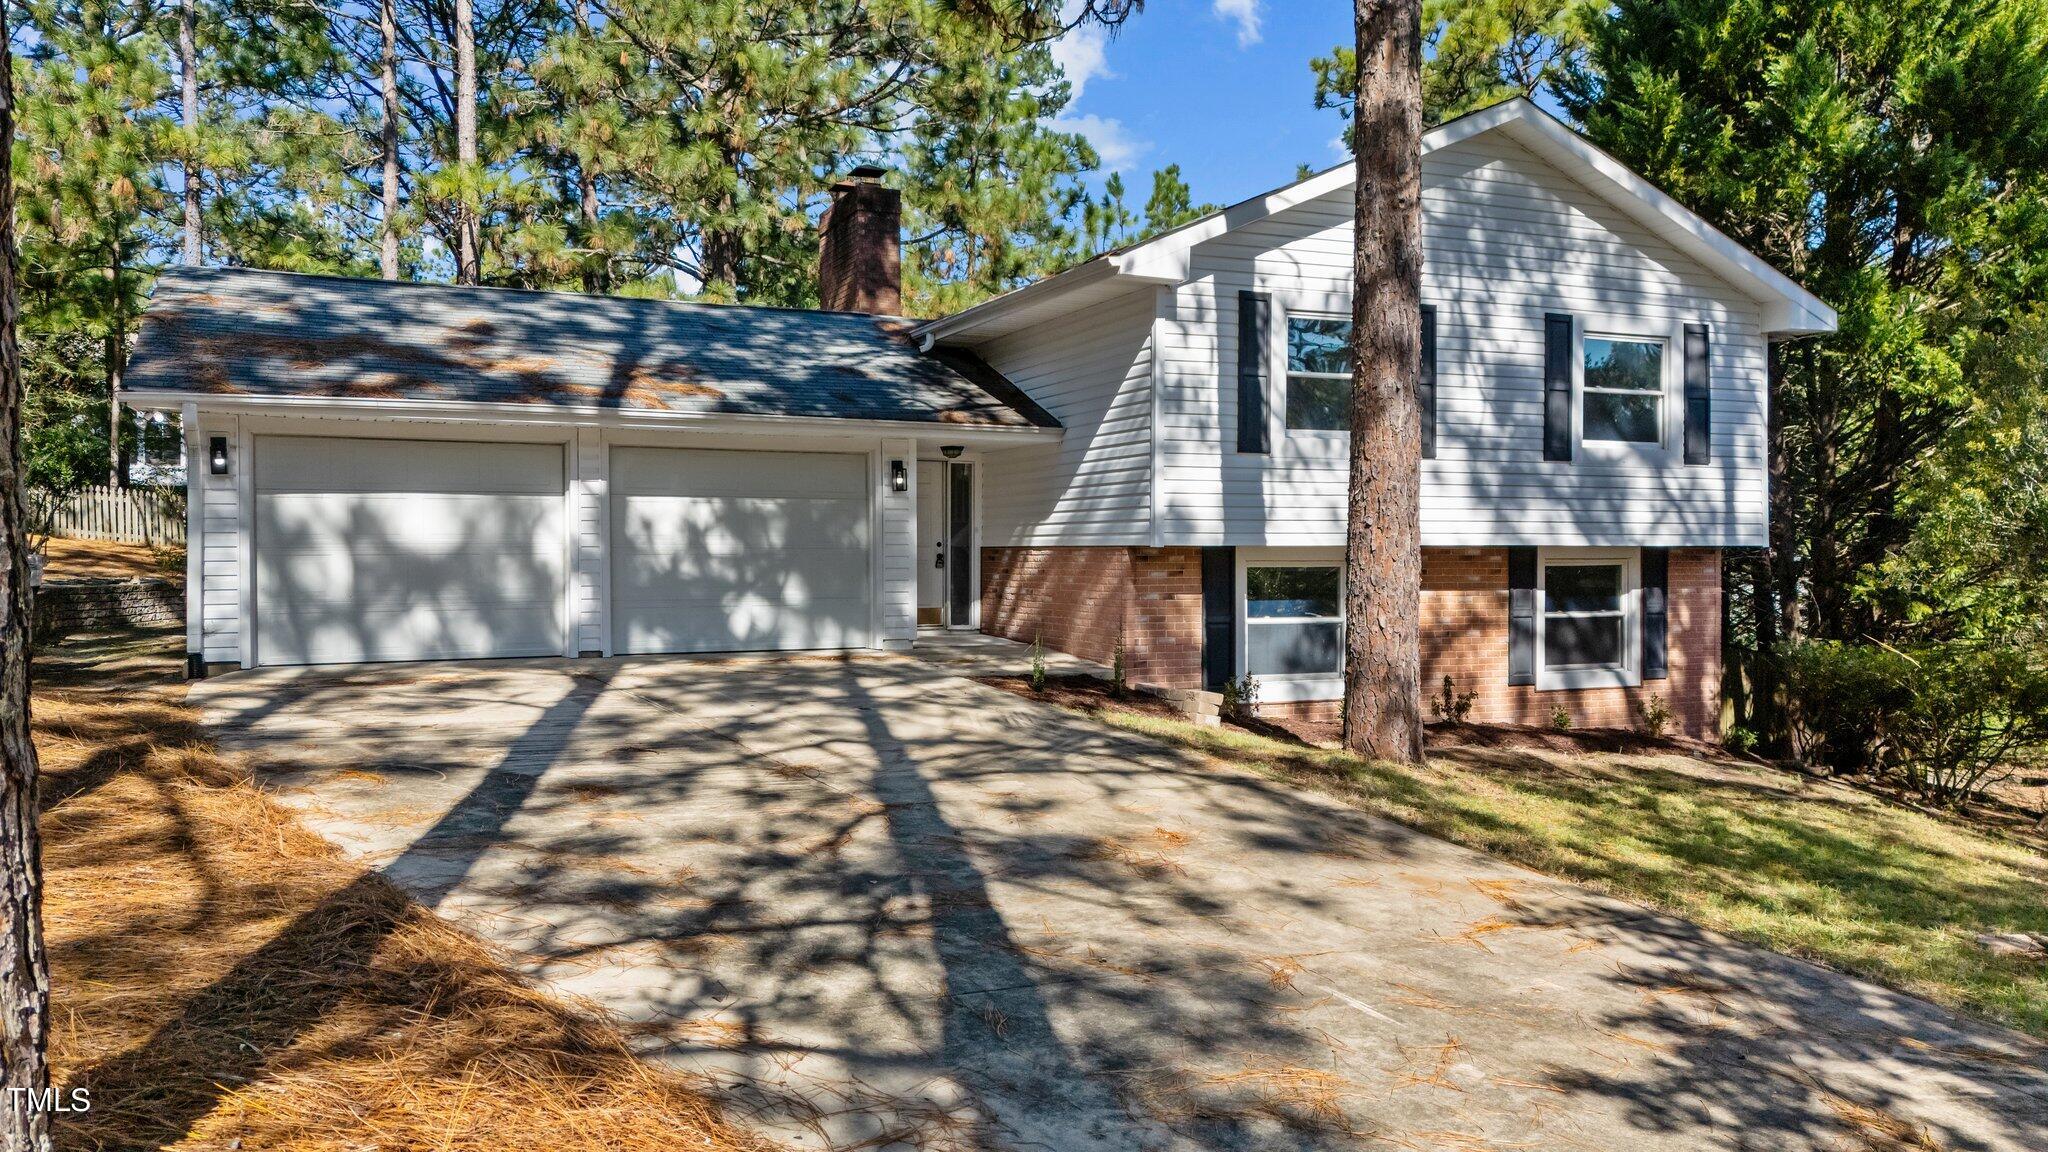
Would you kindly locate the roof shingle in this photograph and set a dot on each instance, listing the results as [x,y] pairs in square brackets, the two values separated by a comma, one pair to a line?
[242,332]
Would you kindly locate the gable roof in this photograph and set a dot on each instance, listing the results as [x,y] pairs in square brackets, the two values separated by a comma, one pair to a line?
[234,332]
[1164,259]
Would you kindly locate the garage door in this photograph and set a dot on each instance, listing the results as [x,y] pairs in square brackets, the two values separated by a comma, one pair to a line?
[407,550]
[716,551]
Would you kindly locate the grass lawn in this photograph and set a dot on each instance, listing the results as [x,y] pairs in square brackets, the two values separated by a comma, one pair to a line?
[1806,867]
[222,978]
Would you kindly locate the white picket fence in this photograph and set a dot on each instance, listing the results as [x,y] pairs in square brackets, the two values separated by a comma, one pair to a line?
[138,515]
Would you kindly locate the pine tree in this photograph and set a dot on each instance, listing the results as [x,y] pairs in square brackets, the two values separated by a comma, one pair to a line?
[1479,52]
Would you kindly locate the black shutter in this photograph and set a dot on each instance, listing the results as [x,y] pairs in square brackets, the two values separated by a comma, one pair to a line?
[1656,616]
[1557,386]
[1425,389]
[1254,336]
[1219,616]
[1699,398]
[1521,616]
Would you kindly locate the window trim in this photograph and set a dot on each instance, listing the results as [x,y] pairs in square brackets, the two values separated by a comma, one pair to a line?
[1670,432]
[1288,315]
[1288,689]
[1629,673]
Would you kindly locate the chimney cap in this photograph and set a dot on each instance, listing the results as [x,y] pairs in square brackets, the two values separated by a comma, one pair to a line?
[867,173]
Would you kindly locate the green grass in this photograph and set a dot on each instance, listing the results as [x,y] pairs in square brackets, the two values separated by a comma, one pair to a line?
[1808,868]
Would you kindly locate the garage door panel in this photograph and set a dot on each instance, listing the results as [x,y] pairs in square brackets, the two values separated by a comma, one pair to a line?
[718,551]
[371,550]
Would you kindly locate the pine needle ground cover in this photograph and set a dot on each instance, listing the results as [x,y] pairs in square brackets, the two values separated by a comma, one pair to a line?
[1802,866]
[223,979]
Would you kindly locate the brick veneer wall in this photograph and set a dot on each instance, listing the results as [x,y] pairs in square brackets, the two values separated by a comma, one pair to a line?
[1465,628]
[1078,600]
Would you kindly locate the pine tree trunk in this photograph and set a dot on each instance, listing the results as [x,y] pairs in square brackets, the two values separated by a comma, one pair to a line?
[24,967]
[387,20]
[115,352]
[467,258]
[597,265]
[1383,553]
[188,77]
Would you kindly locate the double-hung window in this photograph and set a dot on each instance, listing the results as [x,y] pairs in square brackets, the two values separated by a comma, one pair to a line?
[1318,374]
[1621,394]
[1294,620]
[1590,620]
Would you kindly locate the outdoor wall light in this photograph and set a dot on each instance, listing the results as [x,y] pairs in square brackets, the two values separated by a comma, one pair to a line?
[899,477]
[217,455]
[951,451]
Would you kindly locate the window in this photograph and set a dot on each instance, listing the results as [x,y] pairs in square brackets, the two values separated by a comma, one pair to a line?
[1623,390]
[1318,374]
[1589,624]
[1294,620]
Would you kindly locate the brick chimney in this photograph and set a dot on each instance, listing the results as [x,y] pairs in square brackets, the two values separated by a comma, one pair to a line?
[860,253]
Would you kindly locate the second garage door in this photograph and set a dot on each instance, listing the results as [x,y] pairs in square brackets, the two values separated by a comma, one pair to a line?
[722,551]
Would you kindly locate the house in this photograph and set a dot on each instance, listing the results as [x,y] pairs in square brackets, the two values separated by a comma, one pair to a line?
[1146,450]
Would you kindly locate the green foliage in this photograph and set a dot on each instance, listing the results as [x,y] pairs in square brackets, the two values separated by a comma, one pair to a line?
[1476,53]
[1117,685]
[1656,715]
[1946,719]
[1561,718]
[1452,706]
[1240,700]
[1037,663]
[1740,741]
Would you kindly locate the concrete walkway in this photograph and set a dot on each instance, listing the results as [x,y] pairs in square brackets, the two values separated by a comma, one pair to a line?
[882,905]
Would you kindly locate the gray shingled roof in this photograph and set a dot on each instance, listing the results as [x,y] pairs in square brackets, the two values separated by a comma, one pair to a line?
[240,332]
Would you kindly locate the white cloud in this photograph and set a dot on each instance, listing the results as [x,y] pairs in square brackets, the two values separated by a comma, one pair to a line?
[1113,142]
[1243,13]
[1083,54]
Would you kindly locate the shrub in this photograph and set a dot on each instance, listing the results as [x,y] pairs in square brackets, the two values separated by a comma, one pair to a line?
[1037,662]
[1946,720]
[1240,699]
[1656,716]
[1451,705]
[1117,685]
[1740,741]
[1561,718]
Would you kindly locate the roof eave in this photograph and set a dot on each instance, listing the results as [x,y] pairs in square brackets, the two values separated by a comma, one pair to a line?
[516,413]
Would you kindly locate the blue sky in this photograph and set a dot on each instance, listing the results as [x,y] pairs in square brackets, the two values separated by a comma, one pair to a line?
[1220,87]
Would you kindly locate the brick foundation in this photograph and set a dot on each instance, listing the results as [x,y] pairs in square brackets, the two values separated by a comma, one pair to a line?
[1078,599]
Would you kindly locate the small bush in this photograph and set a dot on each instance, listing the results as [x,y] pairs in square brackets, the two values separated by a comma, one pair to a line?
[1240,699]
[1656,716]
[1561,719]
[1740,741]
[1117,686]
[1452,706]
[1037,662]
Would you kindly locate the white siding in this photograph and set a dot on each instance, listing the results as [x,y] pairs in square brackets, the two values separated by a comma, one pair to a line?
[1093,371]
[897,564]
[1506,238]
[592,478]
[220,594]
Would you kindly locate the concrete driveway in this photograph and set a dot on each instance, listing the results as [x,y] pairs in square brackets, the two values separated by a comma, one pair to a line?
[882,905]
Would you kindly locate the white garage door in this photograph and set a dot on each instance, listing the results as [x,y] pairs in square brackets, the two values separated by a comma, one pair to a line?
[716,551]
[407,550]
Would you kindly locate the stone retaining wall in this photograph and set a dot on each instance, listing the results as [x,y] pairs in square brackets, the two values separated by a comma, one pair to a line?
[67,606]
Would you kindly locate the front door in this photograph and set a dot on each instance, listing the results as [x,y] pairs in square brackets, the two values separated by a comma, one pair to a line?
[931,544]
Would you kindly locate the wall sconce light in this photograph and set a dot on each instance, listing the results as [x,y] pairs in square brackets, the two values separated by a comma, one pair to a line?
[217,455]
[899,477]
[951,451]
